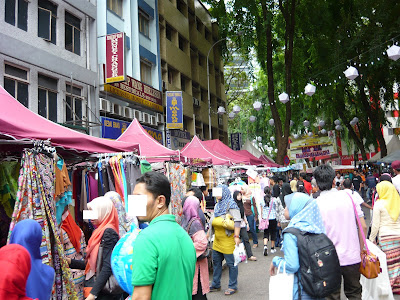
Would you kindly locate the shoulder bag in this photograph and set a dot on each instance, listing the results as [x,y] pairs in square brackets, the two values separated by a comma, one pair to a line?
[206,252]
[369,266]
[265,222]
[228,222]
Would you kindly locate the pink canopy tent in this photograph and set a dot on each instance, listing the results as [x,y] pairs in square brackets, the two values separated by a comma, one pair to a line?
[196,149]
[21,124]
[149,147]
[224,151]
[269,162]
[253,160]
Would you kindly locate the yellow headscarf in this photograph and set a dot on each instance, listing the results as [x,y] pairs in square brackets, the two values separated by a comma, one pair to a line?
[388,193]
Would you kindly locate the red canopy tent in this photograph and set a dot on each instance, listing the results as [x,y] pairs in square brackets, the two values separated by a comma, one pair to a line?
[253,160]
[19,123]
[269,162]
[196,149]
[149,147]
[224,151]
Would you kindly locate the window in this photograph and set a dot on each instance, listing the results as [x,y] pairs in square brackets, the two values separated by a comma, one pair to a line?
[17,13]
[72,33]
[74,104]
[182,43]
[145,72]
[207,35]
[183,83]
[144,23]
[47,20]
[115,6]
[16,83]
[168,32]
[47,97]
[201,60]
[198,25]
[181,6]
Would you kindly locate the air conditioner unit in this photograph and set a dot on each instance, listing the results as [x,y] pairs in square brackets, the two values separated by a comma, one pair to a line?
[127,112]
[160,118]
[146,118]
[153,120]
[115,109]
[220,121]
[196,101]
[137,114]
[105,105]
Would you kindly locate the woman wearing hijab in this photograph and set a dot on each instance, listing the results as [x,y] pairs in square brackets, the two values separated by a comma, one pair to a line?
[304,215]
[28,233]
[74,244]
[244,225]
[124,221]
[106,234]
[15,266]
[192,224]
[386,221]
[250,210]
[224,241]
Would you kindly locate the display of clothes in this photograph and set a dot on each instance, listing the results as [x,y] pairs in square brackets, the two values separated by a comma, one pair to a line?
[63,189]
[176,173]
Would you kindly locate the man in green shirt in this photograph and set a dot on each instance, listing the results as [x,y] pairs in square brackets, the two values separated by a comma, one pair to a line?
[164,257]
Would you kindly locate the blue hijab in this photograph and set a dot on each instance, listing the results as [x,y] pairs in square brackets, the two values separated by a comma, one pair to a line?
[304,214]
[28,233]
[225,203]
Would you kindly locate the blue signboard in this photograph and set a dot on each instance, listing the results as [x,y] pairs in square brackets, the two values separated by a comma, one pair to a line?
[174,110]
[113,128]
[177,139]
[236,141]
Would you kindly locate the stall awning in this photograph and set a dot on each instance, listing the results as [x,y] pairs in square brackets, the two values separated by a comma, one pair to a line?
[19,123]
[253,160]
[223,150]
[269,162]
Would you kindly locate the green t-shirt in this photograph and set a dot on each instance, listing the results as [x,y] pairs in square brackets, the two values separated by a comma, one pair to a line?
[164,256]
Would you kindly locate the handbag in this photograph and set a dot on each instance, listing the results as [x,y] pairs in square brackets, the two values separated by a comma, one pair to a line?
[281,285]
[111,287]
[264,223]
[369,266]
[228,222]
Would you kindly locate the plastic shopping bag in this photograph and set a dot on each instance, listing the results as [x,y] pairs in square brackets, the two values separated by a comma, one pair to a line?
[239,254]
[281,285]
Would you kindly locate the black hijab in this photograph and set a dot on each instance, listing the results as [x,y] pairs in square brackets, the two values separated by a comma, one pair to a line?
[239,203]
[286,190]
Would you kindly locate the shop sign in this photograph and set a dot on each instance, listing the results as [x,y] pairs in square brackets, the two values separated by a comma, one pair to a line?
[112,128]
[138,92]
[174,110]
[236,141]
[156,134]
[177,139]
[310,147]
[115,57]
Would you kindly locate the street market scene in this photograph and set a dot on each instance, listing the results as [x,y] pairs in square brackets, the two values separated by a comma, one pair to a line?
[199,149]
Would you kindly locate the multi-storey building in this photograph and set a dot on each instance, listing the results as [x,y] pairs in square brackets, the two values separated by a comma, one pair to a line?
[48,59]
[187,34]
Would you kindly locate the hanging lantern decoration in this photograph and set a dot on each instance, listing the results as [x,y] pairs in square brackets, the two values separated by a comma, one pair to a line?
[291,123]
[259,138]
[271,122]
[337,122]
[236,109]
[231,115]
[306,123]
[252,119]
[309,90]
[272,138]
[276,150]
[351,73]
[266,147]
[352,123]
[221,110]
[254,141]
[257,105]
[296,136]
[284,98]
[338,127]
[260,145]
[355,119]
[323,131]
[393,52]
[321,123]
[310,134]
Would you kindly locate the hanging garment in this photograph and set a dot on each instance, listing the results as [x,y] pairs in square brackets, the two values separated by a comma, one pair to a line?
[176,174]
[124,182]
[9,172]
[133,173]
[111,182]
[115,166]
[83,204]
[63,189]
[93,188]
[105,183]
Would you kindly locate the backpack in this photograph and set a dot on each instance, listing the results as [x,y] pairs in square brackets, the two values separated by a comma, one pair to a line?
[319,263]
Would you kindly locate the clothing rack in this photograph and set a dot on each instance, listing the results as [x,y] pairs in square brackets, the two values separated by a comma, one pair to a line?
[104,155]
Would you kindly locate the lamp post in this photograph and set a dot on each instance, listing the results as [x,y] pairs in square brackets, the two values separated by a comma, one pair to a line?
[209,94]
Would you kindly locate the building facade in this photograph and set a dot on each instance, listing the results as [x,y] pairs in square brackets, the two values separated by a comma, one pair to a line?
[187,33]
[48,59]
[139,96]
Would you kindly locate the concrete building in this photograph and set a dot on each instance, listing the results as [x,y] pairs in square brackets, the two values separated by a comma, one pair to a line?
[186,35]
[48,59]
[120,102]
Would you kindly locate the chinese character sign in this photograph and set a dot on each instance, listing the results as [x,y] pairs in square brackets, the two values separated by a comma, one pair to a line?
[115,57]
[236,141]
[174,110]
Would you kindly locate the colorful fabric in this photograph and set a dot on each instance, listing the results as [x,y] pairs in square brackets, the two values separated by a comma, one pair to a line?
[107,218]
[15,265]
[387,192]
[391,246]
[225,203]
[176,174]
[9,172]
[145,166]
[123,220]
[73,231]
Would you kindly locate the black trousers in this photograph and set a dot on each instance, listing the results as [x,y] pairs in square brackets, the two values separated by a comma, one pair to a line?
[351,280]
[199,295]
[245,238]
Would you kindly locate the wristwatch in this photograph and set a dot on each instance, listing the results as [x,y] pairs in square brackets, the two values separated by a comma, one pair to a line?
[235,236]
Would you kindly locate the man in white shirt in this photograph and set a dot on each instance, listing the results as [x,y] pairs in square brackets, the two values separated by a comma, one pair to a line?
[396,170]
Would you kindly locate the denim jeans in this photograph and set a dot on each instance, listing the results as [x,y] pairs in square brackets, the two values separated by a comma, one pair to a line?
[252,225]
[217,258]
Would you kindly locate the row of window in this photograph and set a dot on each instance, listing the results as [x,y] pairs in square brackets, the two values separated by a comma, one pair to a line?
[16,13]
[16,82]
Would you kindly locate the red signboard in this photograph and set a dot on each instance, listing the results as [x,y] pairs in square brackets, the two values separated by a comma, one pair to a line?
[115,57]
